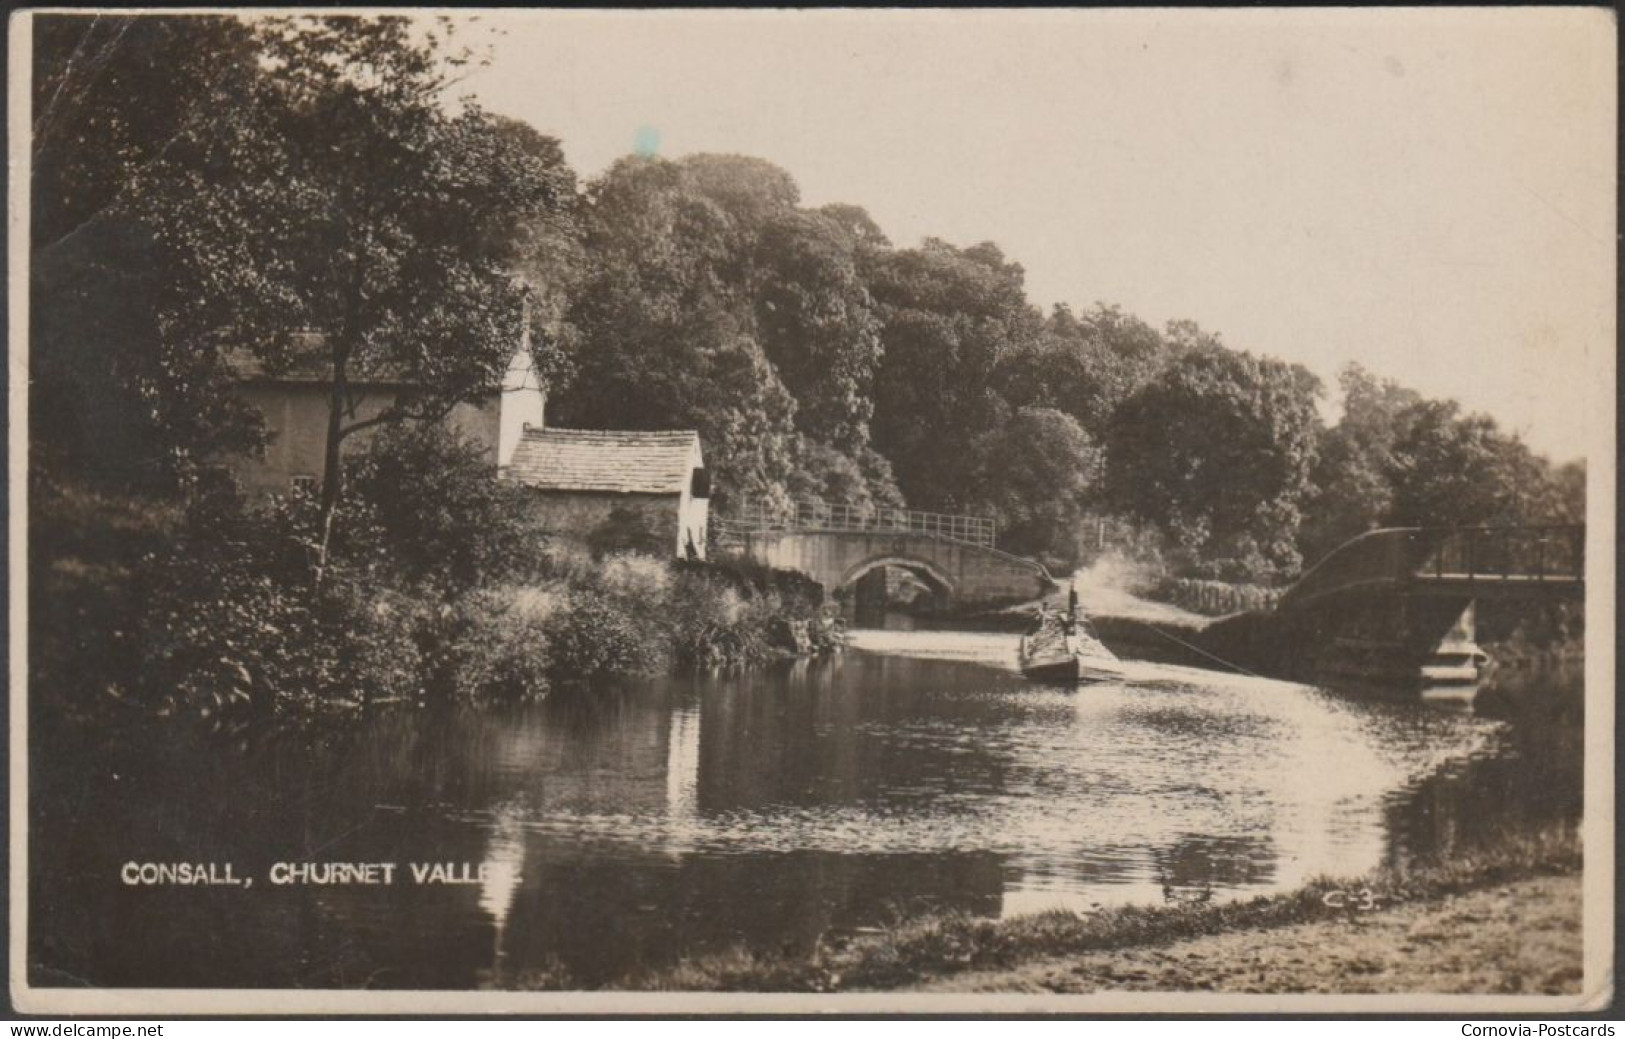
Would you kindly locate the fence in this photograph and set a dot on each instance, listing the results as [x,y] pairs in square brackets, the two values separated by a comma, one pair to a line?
[1508,553]
[816,516]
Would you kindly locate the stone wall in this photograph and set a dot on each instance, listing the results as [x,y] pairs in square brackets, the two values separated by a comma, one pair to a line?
[611,522]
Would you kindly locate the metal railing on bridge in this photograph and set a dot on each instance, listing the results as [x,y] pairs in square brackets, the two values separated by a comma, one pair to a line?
[817,516]
[1410,556]
[1550,553]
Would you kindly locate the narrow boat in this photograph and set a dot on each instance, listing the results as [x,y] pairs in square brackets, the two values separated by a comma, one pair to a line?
[1064,650]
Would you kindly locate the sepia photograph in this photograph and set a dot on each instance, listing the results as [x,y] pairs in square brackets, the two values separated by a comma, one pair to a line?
[812,511]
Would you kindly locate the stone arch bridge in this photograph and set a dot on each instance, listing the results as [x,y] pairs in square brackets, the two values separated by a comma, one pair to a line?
[845,547]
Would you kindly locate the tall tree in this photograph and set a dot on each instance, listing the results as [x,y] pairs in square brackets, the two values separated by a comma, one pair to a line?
[949,317]
[1350,491]
[1084,364]
[1216,451]
[715,303]
[1448,469]
[668,336]
[1034,475]
[818,325]
[340,196]
[112,95]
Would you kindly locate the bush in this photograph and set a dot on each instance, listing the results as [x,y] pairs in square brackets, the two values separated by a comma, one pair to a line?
[595,636]
[491,646]
[1215,598]
[213,612]
[440,512]
[712,625]
[638,580]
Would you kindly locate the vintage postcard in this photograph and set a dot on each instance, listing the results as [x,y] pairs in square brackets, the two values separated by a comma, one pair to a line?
[856,511]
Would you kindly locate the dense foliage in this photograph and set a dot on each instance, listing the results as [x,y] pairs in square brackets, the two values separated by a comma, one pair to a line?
[209,613]
[301,190]
[1216,452]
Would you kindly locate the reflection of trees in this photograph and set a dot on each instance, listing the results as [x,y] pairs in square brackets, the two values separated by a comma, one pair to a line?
[603,915]
[1533,782]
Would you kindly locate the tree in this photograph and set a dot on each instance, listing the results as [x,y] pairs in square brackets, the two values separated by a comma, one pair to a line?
[1216,451]
[1084,365]
[824,474]
[1350,491]
[949,318]
[111,93]
[818,325]
[442,520]
[1452,470]
[112,96]
[668,338]
[859,226]
[1564,500]
[714,303]
[1034,474]
[339,196]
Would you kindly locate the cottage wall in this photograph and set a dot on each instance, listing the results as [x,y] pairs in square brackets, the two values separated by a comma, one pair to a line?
[296,415]
[586,518]
[693,513]
[693,517]
[295,412]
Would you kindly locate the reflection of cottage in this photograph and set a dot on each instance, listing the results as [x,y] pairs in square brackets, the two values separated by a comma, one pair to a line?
[294,403]
[617,490]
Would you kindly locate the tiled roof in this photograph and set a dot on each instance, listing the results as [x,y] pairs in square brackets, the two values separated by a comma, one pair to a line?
[627,461]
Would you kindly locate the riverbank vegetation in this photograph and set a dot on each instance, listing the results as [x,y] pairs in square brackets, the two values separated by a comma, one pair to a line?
[916,950]
[435,592]
[185,203]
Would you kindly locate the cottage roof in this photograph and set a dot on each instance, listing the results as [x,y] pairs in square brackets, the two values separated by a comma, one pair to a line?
[625,461]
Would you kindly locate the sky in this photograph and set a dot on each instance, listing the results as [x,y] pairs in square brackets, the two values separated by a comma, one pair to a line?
[1428,192]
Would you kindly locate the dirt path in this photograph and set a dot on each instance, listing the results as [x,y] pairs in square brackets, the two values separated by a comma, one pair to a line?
[1515,938]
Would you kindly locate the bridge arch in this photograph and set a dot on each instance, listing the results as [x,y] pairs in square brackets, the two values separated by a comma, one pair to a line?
[955,571]
[939,580]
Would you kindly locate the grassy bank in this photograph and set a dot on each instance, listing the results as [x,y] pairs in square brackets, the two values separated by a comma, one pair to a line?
[1523,937]
[942,946]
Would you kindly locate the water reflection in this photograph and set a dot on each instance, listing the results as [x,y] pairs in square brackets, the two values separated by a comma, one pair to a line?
[623,830]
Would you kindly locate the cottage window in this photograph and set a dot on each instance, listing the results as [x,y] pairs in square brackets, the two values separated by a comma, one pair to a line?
[700,487]
[305,482]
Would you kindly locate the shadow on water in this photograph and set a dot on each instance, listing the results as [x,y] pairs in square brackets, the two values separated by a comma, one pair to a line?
[619,830]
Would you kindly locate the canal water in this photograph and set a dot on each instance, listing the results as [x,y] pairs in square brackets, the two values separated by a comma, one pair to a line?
[614,832]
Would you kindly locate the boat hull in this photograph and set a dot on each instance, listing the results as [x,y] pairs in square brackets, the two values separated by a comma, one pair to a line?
[1071,670]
